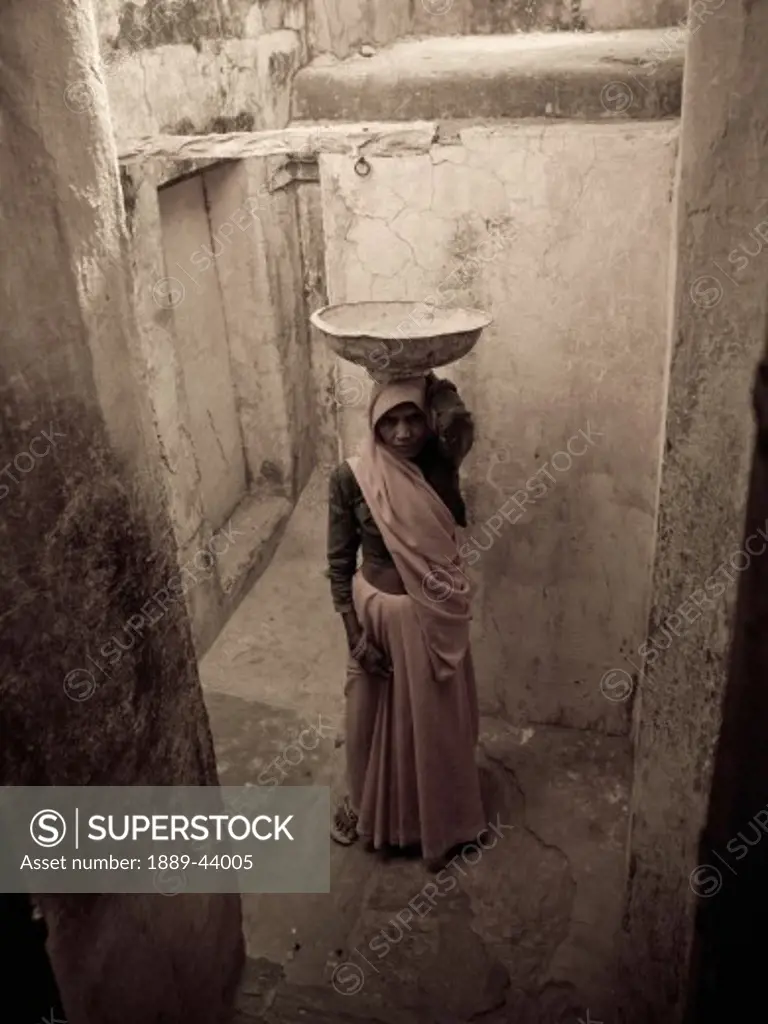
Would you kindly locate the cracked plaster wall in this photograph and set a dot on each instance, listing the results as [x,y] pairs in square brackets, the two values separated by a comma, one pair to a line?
[339,27]
[562,232]
[192,66]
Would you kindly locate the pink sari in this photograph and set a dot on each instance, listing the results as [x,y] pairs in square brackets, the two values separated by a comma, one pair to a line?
[411,740]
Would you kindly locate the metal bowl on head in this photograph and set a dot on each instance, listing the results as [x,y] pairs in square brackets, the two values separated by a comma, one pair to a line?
[398,339]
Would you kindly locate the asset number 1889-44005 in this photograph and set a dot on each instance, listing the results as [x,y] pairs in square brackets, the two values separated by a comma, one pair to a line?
[217,862]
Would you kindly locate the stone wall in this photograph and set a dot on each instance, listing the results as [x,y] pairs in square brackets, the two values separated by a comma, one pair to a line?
[340,27]
[562,233]
[187,66]
[99,678]
[699,699]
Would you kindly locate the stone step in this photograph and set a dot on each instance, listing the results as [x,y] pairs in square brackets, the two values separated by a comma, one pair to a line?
[630,75]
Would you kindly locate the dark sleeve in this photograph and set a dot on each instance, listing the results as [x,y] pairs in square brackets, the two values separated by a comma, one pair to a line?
[343,541]
[453,421]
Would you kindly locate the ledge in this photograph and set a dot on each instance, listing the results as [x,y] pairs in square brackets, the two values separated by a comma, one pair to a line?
[631,75]
[297,141]
[259,522]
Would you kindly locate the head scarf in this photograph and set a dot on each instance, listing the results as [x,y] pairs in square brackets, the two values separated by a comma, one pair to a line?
[419,532]
[386,397]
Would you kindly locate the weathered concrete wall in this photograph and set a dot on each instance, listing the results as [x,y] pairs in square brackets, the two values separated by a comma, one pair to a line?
[186,66]
[703,549]
[340,27]
[160,373]
[191,247]
[191,66]
[326,404]
[240,409]
[262,289]
[562,233]
[85,539]
[612,15]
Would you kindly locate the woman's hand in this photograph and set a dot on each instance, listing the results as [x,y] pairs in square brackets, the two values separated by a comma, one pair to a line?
[370,659]
[374,661]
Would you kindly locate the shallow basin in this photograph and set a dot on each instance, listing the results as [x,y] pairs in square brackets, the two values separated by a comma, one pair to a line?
[400,339]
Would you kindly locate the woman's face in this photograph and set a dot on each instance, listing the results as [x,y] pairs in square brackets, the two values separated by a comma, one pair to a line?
[403,430]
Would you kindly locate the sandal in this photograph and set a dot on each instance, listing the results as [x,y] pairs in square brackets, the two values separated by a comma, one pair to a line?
[344,827]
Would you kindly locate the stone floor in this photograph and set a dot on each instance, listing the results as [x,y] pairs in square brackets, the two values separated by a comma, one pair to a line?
[524,931]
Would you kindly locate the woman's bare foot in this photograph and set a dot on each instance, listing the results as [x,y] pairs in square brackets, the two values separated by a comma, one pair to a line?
[344,827]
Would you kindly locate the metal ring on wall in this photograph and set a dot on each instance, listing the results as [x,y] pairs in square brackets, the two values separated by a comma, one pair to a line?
[362,167]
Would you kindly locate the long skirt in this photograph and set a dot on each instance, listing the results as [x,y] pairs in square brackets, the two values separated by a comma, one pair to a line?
[411,770]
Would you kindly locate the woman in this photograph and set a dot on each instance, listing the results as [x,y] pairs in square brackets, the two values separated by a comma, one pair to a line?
[412,713]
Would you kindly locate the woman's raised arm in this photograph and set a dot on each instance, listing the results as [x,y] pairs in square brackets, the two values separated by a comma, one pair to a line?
[450,419]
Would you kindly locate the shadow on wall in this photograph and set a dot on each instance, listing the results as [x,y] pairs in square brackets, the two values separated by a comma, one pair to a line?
[729,882]
[100,687]
[30,993]
[82,565]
